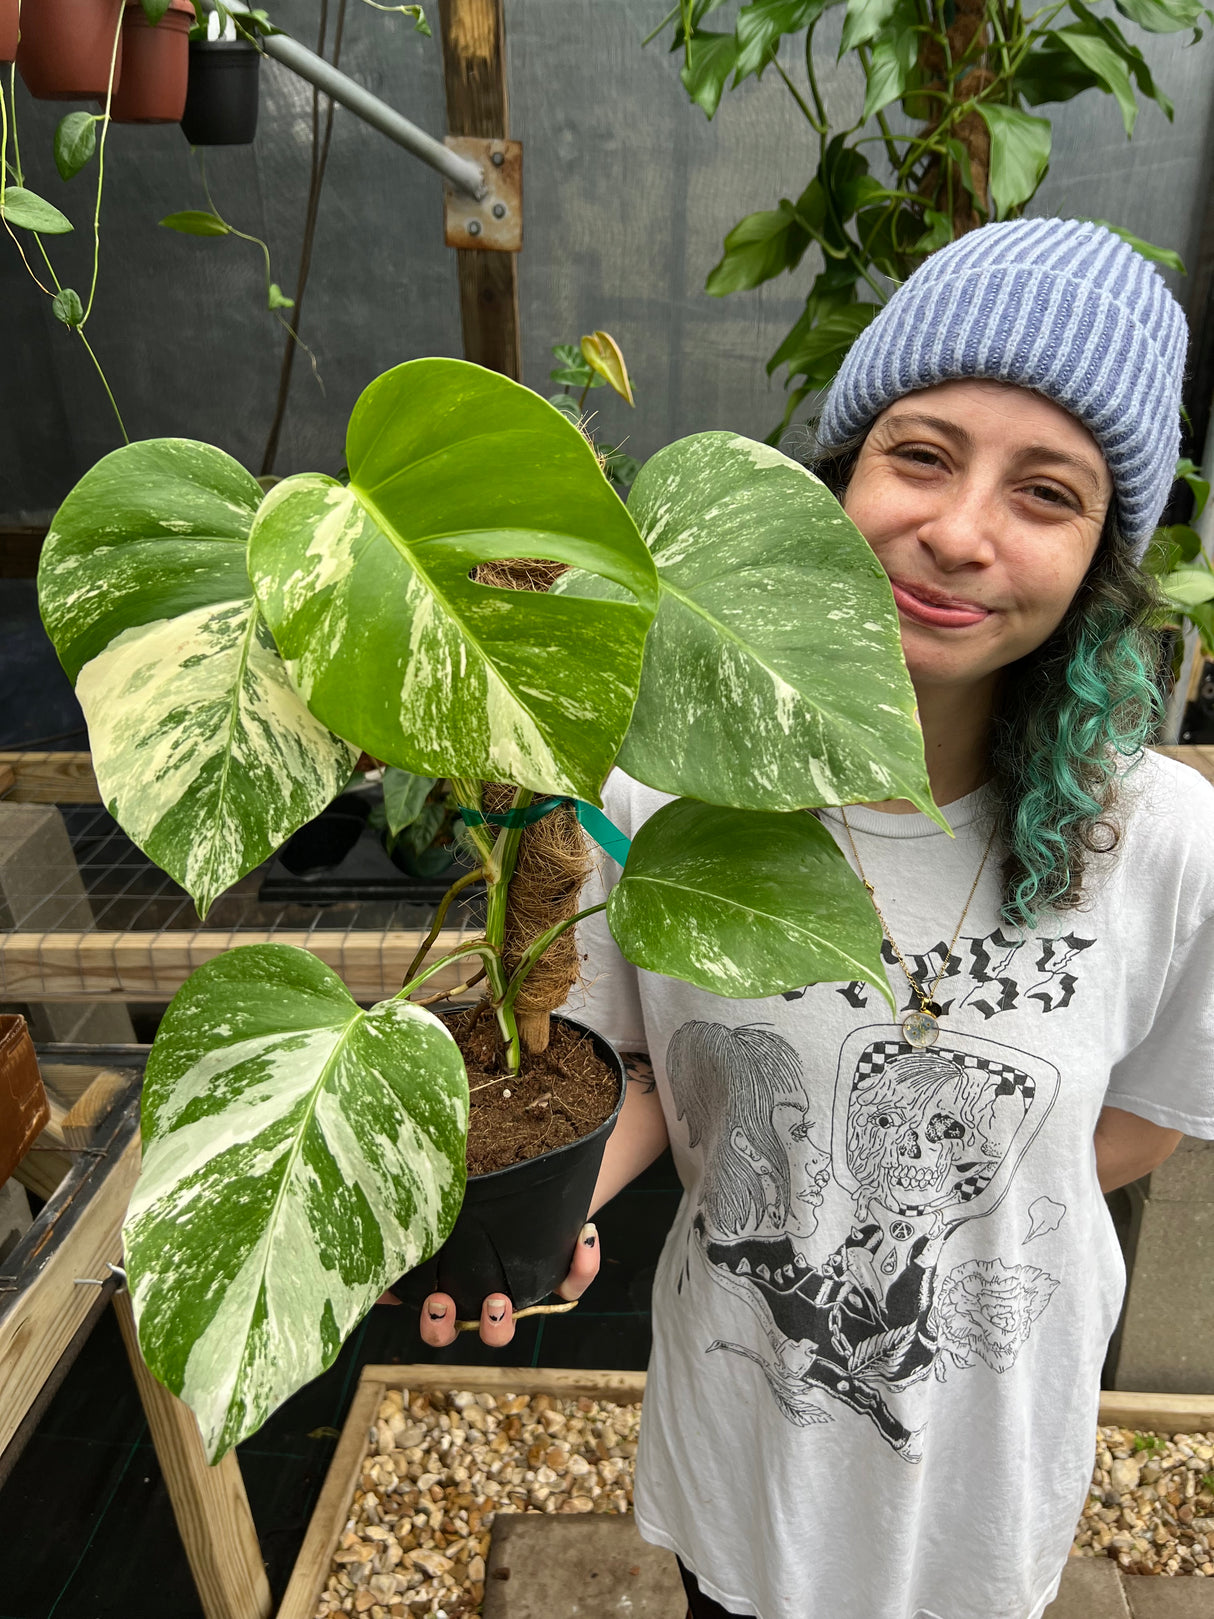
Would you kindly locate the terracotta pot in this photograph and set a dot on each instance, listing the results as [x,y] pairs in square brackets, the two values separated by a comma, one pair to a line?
[64,54]
[221,108]
[155,66]
[10,11]
[24,1109]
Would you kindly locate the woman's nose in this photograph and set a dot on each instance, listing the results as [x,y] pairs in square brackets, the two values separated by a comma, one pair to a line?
[962,532]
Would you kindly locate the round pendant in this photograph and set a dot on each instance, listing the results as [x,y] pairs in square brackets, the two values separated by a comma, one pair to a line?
[921,1029]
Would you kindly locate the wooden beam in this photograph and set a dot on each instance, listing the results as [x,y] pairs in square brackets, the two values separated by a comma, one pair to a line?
[625,1388]
[1157,1413]
[51,778]
[474,72]
[209,1503]
[153,966]
[333,1505]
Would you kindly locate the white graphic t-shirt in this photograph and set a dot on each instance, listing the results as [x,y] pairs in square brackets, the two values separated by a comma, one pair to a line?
[881,1313]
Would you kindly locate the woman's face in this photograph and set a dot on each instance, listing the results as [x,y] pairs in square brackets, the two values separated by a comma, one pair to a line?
[984,504]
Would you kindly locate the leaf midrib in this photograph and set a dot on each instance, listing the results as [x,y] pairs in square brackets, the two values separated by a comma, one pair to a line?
[234,709]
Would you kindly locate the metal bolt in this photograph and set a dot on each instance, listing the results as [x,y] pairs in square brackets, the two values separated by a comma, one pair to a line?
[498,159]
[499,210]
[474,227]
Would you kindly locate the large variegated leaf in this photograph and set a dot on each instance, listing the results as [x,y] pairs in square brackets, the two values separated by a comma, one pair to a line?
[368,589]
[744,903]
[203,751]
[773,675]
[299,1154]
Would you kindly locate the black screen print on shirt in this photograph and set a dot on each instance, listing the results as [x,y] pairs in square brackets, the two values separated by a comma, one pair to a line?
[918,1143]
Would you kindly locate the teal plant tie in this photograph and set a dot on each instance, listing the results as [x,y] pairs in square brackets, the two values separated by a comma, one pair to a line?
[604,832]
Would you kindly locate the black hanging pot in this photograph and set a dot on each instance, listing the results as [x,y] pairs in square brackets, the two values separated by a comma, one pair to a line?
[324,843]
[518,1227]
[222,98]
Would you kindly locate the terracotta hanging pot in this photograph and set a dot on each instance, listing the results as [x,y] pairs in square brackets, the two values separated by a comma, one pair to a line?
[221,107]
[155,65]
[10,12]
[65,48]
[24,1108]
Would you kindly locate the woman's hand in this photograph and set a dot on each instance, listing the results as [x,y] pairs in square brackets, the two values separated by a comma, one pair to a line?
[438,1327]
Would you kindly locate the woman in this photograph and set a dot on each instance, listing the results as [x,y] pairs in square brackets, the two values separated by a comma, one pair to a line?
[892,1417]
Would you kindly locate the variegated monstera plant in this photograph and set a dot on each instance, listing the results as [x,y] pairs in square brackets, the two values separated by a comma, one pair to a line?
[728,638]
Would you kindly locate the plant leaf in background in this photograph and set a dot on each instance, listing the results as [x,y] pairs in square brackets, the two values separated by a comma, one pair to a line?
[1188,587]
[404,798]
[66,306]
[196,222]
[1099,57]
[203,752]
[602,354]
[761,25]
[773,674]
[75,142]
[711,58]
[1164,16]
[32,212]
[1157,255]
[299,1154]
[367,589]
[744,904]
[154,10]
[1020,155]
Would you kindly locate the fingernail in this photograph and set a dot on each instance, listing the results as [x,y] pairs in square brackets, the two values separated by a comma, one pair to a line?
[436,1312]
[588,1235]
[495,1309]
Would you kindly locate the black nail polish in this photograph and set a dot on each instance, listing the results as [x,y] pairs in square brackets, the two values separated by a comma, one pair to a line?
[436,1315]
[589,1242]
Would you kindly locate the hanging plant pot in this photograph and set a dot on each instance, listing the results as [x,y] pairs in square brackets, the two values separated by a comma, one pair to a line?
[518,1226]
[65,48]
[10,12]
[155,65]
[24,1108]
[221,104]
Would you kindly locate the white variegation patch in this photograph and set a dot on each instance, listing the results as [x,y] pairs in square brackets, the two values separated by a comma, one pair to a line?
[204,753]
[743,903]
[773,674]
[299,1155]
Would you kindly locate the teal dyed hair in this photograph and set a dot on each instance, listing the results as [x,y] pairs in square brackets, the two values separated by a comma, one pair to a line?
[1070,719]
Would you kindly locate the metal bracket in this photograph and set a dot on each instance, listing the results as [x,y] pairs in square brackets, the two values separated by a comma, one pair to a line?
[492,223]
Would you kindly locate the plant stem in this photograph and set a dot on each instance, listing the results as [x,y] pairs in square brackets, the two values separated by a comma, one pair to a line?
[474,947]
[108,394]
[797,97]
[468,793]
[505,853]
[538,946]
[440,916]
[105,129]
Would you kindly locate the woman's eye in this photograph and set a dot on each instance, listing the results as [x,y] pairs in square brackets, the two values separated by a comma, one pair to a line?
[919,455]
[1051,493]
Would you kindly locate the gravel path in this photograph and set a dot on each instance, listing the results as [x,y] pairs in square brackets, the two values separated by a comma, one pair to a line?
[442,1465]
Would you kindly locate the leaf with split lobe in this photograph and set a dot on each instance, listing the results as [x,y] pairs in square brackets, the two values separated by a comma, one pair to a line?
[370,595]
[773,673]
[204,752]
[744,903]
[299,1154]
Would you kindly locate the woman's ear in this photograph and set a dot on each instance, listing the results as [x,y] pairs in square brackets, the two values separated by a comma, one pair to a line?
[745,1147]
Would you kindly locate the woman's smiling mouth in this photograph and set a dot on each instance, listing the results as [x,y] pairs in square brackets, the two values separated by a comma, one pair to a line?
[927,606]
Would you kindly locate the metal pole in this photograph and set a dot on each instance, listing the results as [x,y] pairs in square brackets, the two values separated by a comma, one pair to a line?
[1178,701]
[462,173]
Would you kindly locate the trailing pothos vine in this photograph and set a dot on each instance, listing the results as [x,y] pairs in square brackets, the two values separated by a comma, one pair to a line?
[945,126]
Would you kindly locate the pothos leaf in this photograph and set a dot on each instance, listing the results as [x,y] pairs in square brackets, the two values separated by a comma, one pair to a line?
[32,212]
[1020,155]
[67,307]
[75,142]
[196,222]
[711,59]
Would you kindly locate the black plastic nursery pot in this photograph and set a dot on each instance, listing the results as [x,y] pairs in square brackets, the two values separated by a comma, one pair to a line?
[223,94]
[324,843]
[518,1227]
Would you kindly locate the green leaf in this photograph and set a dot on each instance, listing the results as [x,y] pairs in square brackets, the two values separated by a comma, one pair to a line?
[773,673]
[196,222]
[299,1154]
[1104,28]
[864,21]
[1171,548]
[760,26]
[276,298]
[1199,487]
[1099,57]
[1020,155]
[572,368]
[32,212]
[369,594]
[568,406]
[744,904]
[758,248]
[154,10]
[404,797]
[203,751]
[939,231]
[711,60]
[1157,255]
[1053,73]
[890,66]
[1188,587]
[819,348]
[1163,16]
[75,142]
[67,307]
[602,354]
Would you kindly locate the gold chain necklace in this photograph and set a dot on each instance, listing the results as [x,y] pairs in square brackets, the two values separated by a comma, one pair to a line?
[921,1028]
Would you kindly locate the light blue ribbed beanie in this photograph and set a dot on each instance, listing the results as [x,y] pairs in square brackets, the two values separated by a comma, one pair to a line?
[1061,306]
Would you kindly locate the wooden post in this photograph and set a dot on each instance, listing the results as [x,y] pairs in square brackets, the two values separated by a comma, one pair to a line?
[474,68]
[209,1503]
